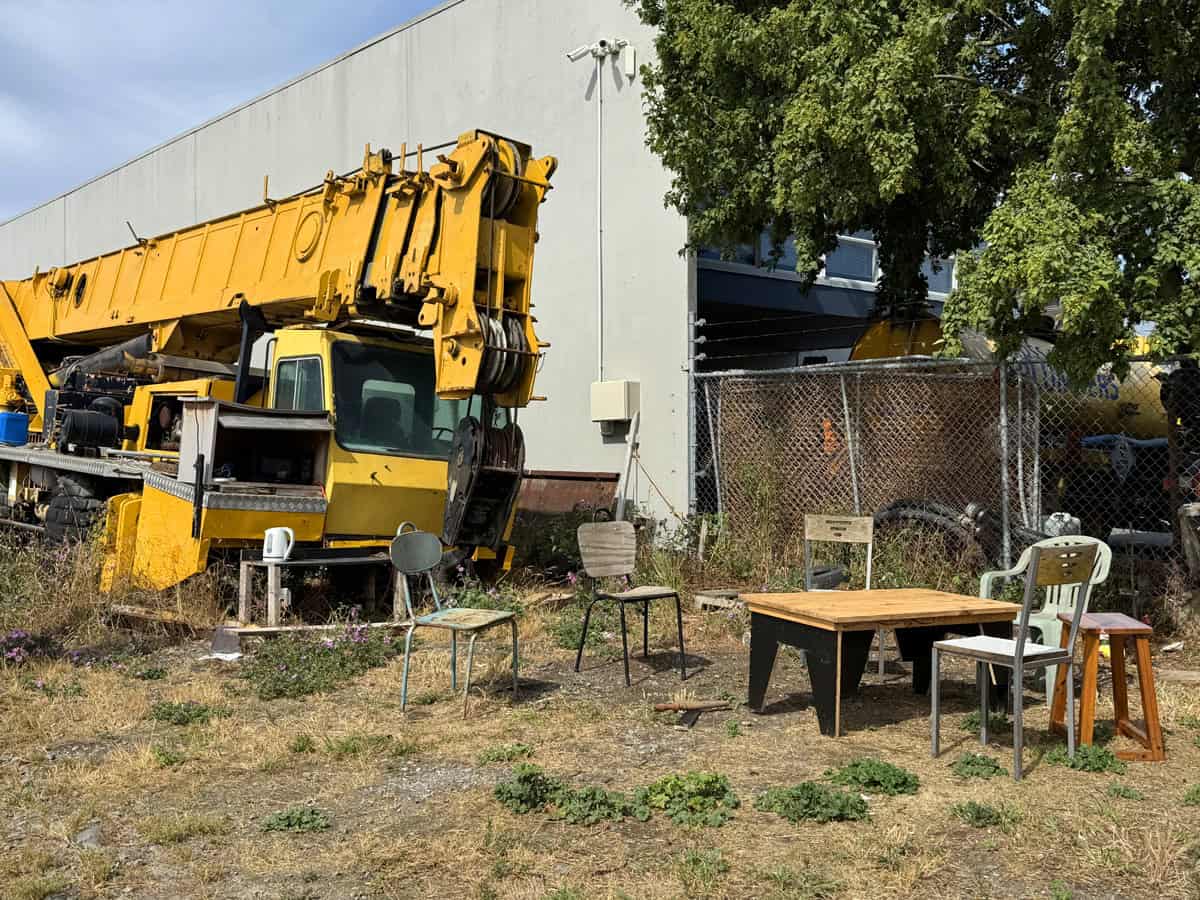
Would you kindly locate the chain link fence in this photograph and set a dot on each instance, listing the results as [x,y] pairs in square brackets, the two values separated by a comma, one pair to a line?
[995,455]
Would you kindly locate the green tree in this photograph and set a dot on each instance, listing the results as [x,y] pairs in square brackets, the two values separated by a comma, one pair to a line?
[1053,146]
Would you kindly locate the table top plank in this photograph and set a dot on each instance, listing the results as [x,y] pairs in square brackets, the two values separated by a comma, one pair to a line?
[889,608]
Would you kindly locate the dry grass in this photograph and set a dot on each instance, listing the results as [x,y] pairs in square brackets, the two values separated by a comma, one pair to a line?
[410,803]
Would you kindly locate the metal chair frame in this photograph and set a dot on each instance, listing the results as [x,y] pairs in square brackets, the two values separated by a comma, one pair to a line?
[855,530]
[609,549]
[1052,562]
[418,553]
[1058,598]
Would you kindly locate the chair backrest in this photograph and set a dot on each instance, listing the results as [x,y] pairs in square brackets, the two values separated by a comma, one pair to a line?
[416,553]
[1053,563]
[607,548]
[837,530]
[1057,597]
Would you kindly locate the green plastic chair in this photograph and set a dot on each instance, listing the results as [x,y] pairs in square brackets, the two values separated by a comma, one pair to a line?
[1058,598]
[417,553]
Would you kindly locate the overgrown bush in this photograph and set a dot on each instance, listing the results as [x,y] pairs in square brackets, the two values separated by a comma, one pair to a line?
[812,802]
[294,665]
[875,777]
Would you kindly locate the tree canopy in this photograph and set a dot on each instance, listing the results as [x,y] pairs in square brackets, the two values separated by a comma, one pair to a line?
[1052,146]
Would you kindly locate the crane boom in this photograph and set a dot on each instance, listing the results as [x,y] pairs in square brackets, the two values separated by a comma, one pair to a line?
[404,248]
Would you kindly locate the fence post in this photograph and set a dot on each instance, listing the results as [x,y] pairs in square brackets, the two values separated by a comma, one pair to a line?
[1005,533]
[850,447]
[713,451]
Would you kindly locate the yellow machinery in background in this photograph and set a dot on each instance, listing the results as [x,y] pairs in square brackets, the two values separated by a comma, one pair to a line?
[337,362]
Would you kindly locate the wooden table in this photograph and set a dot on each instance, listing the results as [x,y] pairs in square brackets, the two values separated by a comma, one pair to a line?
[835,629]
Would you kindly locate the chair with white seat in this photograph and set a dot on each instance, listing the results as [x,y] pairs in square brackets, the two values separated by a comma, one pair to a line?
[1052,563]
[609,549]
[1059,598]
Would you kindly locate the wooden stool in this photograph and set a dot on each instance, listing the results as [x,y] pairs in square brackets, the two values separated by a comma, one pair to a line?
[1118,627]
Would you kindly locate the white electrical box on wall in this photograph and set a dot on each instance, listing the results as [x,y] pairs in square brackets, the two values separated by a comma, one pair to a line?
[615,401]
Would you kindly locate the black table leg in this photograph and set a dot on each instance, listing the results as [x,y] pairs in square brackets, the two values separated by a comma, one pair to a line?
[821,647]
[916,645]
[763,646]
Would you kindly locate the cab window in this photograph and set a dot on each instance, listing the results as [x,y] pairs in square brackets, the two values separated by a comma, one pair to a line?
[298,384]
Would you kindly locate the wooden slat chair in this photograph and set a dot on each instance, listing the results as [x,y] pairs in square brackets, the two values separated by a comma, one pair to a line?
[609,549]
[840,530]
[1052,562]
[418,553]
[1059,598]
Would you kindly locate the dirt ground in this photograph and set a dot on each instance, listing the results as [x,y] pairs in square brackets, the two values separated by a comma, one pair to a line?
[101,801]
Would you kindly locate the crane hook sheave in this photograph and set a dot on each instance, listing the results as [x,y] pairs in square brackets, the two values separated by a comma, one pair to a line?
[504,191]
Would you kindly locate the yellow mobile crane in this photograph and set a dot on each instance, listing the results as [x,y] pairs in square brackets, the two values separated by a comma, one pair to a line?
[132,399]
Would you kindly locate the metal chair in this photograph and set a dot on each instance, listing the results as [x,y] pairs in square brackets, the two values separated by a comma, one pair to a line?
[1058,598]
[418,553]
[610,549]
[1052,563]
[840,530]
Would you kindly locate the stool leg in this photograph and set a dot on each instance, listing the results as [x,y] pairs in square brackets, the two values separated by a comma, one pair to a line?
[470,662]
[513,622]
[935,688]
[1120,689]
[1149,698]
[1091,668]
[1069,668]
[682,652]
[1058,702]
[646,630]
[408,635]
[624,644]
[981,684]
[453,660]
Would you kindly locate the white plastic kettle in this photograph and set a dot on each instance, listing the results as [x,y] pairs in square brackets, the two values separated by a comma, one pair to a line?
[278,543]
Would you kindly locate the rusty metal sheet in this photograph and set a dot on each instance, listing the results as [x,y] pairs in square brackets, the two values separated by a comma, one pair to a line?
[564,492]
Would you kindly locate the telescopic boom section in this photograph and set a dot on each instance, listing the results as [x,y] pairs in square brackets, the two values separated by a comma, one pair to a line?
[447,247]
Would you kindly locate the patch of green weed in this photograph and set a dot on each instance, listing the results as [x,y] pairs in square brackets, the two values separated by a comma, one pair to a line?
[297,819]
[976,765]
[175,829]
[1123,792]
[165,757]
[810,801]
[788,884]
[189,712]
[699,870]
[997,722]
[985,815]
[302,743]
[696,798]
[369,745]
[732,728]
[295,666]
[504,753]
[1192,797]
[1088,758]
[875,777]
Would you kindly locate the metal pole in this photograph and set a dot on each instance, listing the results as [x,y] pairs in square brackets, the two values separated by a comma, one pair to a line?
[600,217]
[1021,450]
[850,447]
[630,451]
[713,453]
[691,412]
[1005,533]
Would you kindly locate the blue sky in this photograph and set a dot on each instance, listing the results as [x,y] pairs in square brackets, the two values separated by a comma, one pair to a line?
[87,84]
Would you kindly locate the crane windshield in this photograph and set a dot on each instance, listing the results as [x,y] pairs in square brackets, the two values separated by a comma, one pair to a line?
[384,402]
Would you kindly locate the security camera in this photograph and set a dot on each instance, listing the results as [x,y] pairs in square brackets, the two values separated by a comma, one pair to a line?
[579,53]
[602,45]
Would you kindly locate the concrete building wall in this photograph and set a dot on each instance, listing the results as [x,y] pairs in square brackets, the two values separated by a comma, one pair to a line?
[495,64]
